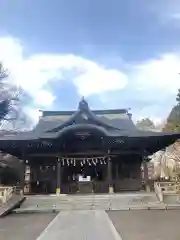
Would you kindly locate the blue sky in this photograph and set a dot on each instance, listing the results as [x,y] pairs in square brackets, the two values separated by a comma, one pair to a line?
[116,53]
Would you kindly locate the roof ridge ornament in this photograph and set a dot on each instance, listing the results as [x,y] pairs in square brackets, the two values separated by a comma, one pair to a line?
[83,105]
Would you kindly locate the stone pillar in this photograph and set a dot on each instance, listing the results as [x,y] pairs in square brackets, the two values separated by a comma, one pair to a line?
[146,177]
[109,175]
[58,185]
[22,176]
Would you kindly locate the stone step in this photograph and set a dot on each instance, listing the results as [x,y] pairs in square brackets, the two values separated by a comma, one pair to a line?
[93,201]
[171,198]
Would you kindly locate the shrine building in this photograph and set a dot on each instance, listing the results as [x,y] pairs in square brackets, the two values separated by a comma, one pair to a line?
[83,151]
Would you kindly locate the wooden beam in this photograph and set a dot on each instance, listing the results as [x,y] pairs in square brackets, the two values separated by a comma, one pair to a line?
[91,153]
[68,154]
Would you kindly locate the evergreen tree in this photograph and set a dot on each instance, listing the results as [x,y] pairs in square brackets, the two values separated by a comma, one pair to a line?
[145,124]
[178,97]
[173,120]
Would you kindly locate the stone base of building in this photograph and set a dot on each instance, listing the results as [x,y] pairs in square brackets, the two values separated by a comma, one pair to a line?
[111,190]
[58,191]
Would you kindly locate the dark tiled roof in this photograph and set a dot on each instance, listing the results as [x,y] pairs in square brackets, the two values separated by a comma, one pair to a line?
[116,127]
[119,123]
[97,112]
[44,125]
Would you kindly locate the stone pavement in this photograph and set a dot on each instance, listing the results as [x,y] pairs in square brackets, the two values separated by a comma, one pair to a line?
[80,225]
[24,226]
[147,225]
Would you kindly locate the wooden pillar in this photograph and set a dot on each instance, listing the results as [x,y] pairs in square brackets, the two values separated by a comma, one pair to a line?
[58,184]
[27,177]
[109,175]
[117,169]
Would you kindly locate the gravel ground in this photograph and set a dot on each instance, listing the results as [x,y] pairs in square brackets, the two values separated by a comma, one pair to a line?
[147,224]
[24,226]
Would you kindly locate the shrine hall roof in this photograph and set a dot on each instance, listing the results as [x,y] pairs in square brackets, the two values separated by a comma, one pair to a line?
[116,123]
[97,112]
[112,118]
[112,125]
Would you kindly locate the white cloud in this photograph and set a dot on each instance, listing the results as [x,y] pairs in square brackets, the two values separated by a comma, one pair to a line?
[45,96]
[157,78]
[22,72]
[167,11]
[157,81]
[88,76]
[98,80]
[161,74]
[34,72]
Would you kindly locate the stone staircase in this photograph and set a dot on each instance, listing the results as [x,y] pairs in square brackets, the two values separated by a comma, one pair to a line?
[123,201]
[172,198]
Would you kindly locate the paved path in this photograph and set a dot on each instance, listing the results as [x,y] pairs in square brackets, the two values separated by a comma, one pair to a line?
[80,225]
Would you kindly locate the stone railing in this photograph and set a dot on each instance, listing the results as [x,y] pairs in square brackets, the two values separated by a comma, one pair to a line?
[166,188]
[169,187]
[5,194]
[158,191]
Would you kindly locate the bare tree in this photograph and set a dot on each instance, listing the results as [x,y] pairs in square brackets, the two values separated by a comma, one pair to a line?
[12,116]
[12,101]
[4,99]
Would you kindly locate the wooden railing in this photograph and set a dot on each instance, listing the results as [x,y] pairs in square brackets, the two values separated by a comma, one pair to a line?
[6,194]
